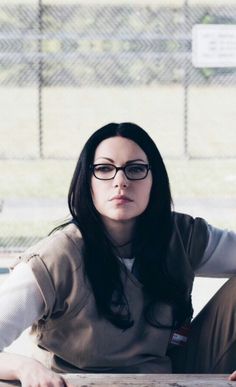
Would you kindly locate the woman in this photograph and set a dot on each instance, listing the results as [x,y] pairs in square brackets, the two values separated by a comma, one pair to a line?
[110,291]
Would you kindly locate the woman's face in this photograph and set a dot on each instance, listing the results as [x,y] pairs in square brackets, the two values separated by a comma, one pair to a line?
[120,199]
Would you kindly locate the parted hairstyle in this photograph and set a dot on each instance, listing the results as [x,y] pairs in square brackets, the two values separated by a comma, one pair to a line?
[150,243]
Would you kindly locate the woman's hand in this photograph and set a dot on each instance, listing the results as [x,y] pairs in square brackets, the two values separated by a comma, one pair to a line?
[35,374]
[30,372]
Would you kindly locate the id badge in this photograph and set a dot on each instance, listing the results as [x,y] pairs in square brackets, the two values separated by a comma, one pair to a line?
[180,336]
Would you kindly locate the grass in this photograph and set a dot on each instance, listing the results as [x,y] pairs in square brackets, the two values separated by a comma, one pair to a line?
[35,178]
[50,179]
[202,178]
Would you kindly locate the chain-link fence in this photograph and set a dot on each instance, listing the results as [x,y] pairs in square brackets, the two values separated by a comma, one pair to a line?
[68,68]
[48,50]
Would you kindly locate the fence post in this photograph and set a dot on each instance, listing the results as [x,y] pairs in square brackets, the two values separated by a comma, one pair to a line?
[40,79]
[186,87]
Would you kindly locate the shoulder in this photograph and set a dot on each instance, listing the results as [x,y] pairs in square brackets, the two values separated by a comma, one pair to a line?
[192,233]
[55,262]
[64,245]
[186,224]
[186,220]
[62,249]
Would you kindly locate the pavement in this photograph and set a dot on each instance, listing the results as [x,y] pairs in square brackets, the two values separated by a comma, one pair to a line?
[32,209]
[36,209]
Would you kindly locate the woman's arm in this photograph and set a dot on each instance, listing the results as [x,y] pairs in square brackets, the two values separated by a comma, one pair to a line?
[219,259]
[29,372]
[21,304]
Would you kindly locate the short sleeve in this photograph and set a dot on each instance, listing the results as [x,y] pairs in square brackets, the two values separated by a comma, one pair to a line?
[55,262]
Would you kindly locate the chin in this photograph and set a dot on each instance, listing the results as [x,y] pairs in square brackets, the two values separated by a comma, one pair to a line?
[124,219]
[120,217]
[124,215]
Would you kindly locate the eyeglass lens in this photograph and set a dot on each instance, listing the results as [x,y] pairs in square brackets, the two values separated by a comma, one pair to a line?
[132,171]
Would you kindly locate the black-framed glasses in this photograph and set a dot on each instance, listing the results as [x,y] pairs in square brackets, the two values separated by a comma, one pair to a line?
[133,171]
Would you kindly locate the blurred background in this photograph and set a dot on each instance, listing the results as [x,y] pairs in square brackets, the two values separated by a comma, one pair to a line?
[69,67]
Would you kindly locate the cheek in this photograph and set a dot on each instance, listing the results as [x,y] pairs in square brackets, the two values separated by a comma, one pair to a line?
[94,190]
[97,192]
[145,195]
[92,187]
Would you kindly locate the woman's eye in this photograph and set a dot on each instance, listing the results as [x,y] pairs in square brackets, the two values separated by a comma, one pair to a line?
[136,168]
[104,168]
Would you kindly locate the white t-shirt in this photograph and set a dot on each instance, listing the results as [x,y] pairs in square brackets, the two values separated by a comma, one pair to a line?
[21,304]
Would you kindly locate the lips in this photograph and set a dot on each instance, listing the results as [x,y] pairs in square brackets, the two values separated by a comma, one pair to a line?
[121,198]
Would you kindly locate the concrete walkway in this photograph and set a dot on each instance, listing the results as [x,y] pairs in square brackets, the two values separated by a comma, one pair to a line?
[31,209]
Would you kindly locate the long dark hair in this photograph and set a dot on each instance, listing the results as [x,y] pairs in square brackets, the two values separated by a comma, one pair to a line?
[152,236]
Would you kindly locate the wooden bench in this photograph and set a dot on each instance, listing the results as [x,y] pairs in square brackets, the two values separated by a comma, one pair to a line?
[144,380]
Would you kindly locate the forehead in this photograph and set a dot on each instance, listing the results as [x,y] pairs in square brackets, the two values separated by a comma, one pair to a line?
[119,148]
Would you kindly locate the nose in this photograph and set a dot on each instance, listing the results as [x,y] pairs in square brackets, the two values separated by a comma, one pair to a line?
[120,180]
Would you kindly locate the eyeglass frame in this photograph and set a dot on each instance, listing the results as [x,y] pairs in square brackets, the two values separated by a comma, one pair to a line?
[147,166]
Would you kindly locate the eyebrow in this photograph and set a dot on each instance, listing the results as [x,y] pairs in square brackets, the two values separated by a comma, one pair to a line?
[127,162]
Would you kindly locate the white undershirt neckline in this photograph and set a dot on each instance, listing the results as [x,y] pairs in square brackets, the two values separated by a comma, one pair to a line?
[128,262]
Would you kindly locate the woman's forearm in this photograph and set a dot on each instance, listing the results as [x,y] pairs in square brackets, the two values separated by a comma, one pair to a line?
[11,365]
[30,372]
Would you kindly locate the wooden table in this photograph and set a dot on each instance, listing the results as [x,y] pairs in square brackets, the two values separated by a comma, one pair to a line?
[138,380]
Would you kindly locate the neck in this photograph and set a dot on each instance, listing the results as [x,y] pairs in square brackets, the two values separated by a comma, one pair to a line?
[121,235]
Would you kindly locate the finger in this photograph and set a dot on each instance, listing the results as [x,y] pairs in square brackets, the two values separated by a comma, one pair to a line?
[58,381]
[232,376]
[66,383]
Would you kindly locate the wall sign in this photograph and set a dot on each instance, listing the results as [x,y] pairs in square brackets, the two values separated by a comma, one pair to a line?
[214,45]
